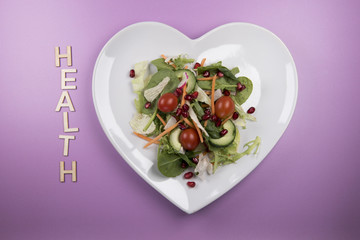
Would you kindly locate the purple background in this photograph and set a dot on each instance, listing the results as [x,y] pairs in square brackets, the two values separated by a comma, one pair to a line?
[307,187]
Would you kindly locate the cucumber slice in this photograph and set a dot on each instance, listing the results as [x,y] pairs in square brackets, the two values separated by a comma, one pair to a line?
[174,139]
[228,138]
[191,81]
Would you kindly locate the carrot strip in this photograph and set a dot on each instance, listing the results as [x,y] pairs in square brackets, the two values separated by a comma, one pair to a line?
[204,105]
[163,56]
[227,119]
[183,96]
[212,95]
[205,123]
[199,132]
[205,79]
[144,137]
[186,67]
[173,65]
[188,122]
[161,119]
[162,134]
[203,62]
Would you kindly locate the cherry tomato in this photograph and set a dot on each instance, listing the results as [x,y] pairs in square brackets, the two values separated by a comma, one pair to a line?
[189,139]
[167,102]
[224,107]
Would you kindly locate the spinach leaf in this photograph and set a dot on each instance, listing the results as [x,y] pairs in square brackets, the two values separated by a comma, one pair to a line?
[212,130]
[169,164]
[161,64]
[235,70]
[221,83]
[211,68]
[242,96]
[187,160]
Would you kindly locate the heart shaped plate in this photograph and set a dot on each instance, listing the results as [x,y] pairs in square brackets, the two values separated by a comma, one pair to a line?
[260,56]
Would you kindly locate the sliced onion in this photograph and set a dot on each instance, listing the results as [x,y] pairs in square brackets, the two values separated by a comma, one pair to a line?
[170,122]
[203,166]
[184,80]
[217,94]
[196,120]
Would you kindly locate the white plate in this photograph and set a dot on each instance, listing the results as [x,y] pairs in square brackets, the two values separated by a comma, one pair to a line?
[258,53]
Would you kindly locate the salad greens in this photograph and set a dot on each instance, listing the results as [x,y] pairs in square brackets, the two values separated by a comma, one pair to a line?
[184,94]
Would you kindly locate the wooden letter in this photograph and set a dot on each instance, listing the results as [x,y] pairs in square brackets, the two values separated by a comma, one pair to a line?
[69,104]
[64,79]
[63,171]
[66,138]
[66,124]
[68,56]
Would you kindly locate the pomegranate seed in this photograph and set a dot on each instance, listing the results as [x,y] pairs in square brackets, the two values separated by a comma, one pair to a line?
[220,74]
[206,74]
[182,126]
[191,184]
[132,73]
[184,165]
[197,65]
[194,95]
[185,114]
[207,111]
[185,107]
[251,110]
[218,123]
[238,87]
[205,117]
[147,105]
[178,112]
[195,160]
[188,97]
[188,175]
[235,115]
[179,91]
[214,118]
[226,92]
[223,132]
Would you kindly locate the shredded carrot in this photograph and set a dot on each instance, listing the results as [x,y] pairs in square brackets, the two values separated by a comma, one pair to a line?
[188,122]
[205,79]
[212,95]
[186,67]
[170,63]
[162,134]
[227,119]
[161,119]
[183,96]
[205,123]
[204,105]
[208,92]
[144,137]
[203,62]
[199,132]
[204,153]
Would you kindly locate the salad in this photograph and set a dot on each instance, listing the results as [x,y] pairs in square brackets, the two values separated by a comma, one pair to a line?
[191,110]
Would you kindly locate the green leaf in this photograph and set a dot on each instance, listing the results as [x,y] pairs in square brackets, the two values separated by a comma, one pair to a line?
[169,164]
[161,64]
[180,62]
[235,70]
[212,130]
[198,109]
[242,96]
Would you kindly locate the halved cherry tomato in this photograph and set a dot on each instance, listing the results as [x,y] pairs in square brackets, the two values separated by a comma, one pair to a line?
[167,102]
[224,107]
[189,139]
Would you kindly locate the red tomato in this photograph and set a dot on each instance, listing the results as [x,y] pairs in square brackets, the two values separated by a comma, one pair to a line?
[167,102]
[189,139]
[224,107]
